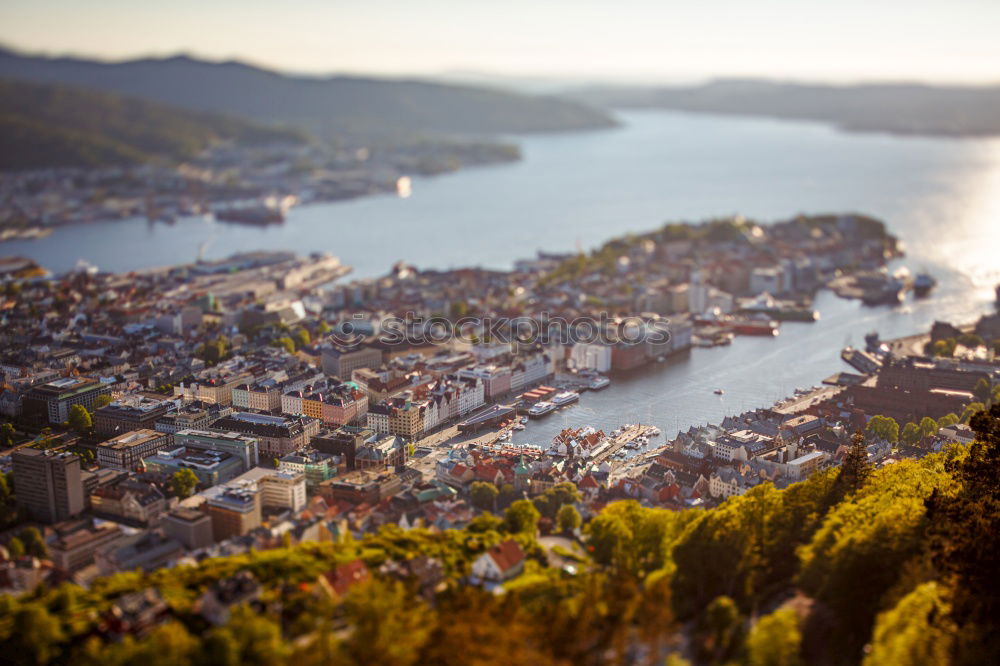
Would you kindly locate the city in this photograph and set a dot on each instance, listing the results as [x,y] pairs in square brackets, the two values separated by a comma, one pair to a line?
[568,334]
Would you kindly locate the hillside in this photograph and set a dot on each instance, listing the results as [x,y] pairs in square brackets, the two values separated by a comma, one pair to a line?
[53,125]
[889,107]
[854,565]
[320,104]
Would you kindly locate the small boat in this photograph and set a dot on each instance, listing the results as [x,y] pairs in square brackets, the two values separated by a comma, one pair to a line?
[519,426]
[923,284]
[718,391]
[655,432]
[599,382]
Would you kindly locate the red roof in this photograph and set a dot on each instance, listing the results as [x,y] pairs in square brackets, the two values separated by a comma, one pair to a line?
[506,555]
[346,575]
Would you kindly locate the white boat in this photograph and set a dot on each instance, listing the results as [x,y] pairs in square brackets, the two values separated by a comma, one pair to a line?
[655,432]
[599,382]
[519,426]
[541,408]
[565,398]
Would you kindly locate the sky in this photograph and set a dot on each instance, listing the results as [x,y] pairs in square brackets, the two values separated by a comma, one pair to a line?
[634,40]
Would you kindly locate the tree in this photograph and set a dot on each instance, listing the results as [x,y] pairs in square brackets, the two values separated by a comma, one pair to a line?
[982,391]
[775,640]
[970,411]
[856,468]
[568,518]
[964,538]
[183,482]
[970,340]
[884,427]
[911,433]
[285,343]
[15,548]
[521,517]
[928,427]
[34,544]
[484,495]
[102,401]
[302,338]
[322,328]
[79,419]
[916,631]
[7,435]
[947,420]
[721,626]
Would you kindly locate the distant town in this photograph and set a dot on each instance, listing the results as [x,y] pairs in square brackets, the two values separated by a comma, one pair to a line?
[166,416]
[231,182]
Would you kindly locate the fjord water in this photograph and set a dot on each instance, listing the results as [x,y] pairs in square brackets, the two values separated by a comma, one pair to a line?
[941,196]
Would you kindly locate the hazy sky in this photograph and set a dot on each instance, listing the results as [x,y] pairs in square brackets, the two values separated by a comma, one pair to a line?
[937,40]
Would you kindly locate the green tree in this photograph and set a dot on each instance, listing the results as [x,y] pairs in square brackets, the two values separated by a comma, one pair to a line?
[79,419]
[722,629]
[302,338]
[387,626]
[485,522]
[884,427]
[928,427]
[775,640]
[982,391]
[521,517]
[15,548]
[970,340]
[947,420]
[285,343]
[568,518]
[7,434]
[911,433]
[856,467]
[916,631]
[971,410]
[34,544]
[183,482]
[102,401]
[35,635]
[483,495]
[322,328]
[964,538]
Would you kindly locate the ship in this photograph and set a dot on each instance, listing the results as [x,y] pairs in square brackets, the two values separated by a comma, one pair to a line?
[923,284]
[765,304]
[256,215]
[541,409]
[598,383]
[565,398]
[754,327]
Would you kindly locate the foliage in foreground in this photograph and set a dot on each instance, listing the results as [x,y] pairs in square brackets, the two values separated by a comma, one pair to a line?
[853,565]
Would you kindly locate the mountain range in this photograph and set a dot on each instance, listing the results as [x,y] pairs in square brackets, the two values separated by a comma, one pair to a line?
[901,108]
[44,125]
[323,105]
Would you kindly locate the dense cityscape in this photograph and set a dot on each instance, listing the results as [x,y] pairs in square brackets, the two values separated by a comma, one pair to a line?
[468,334]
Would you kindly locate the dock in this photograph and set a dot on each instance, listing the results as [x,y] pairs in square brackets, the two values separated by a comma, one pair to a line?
[619,442]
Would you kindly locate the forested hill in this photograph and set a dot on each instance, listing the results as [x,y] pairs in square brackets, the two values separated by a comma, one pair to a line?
[44,125]
[319,104]
[890,566]
[900,108]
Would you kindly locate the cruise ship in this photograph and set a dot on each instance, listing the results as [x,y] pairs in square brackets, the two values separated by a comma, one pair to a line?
[541,409]
[565,398]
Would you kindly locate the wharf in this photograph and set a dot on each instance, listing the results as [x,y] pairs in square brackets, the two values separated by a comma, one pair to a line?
[619,442]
